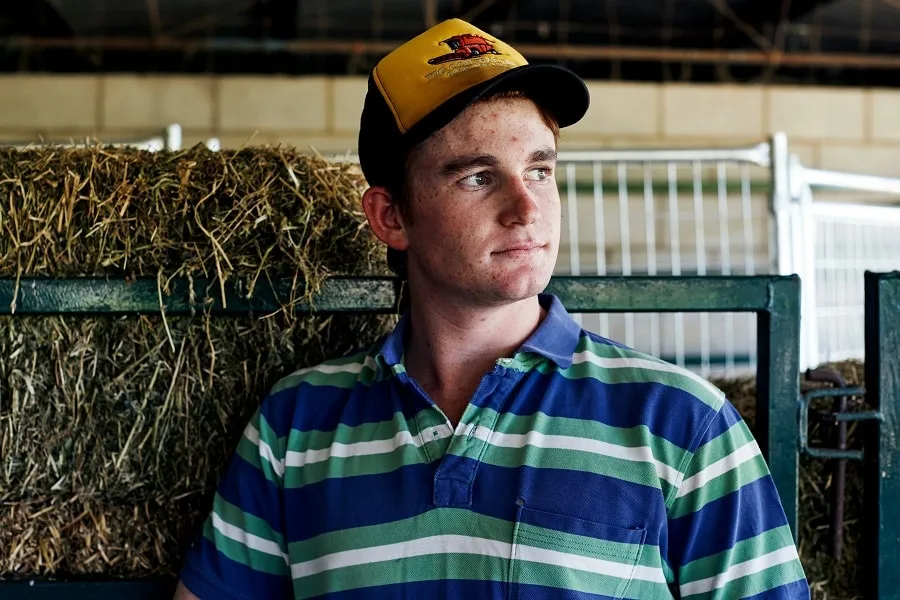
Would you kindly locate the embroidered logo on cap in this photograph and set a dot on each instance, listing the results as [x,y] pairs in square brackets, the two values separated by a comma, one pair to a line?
[464,47]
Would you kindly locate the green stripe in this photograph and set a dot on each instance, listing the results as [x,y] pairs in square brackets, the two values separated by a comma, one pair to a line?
[718,448]
[742,551]
[668,573]
[301,441]
[438,521]
[564,578]
[314,375]
[570,543]
[621,375]
[758,583]
[249,451]
[682,379]
[629,437]
[588,344]
[637,588]
[372,464]
[252,524]
[641,473]
[750,471]
[236,551]
[420,568]
[268,435]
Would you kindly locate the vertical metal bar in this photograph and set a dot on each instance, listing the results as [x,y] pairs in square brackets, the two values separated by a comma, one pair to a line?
[859,269]
[779,205]
[650,235]
[725,257]
[827,299]
[574,238]
[700,248]
[778,389]
[625,237]
[600,236]
[572,207]
[882,453]
[675,252]
[749,253]
[809,327]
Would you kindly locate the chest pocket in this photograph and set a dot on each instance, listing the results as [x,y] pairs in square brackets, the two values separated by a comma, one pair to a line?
[562,554]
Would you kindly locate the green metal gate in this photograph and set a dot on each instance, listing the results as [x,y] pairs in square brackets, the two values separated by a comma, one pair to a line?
[775,300]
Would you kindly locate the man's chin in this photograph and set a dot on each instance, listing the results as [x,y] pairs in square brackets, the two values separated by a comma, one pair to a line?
[524,287]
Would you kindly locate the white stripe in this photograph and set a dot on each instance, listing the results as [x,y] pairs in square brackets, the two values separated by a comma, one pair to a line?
[439,544]
[589,564]
[736,571]
[369,448]
[254,542]
[644,363]
[746,452]
[326,369]
[565,442]
[265,451]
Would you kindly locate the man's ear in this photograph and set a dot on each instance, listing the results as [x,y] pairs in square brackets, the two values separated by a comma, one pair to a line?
[385,217]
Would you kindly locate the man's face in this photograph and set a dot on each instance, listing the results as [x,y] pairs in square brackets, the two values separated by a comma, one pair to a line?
[484,206]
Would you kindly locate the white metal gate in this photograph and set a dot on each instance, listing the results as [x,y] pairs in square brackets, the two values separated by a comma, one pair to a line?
[841,225]
[689,211]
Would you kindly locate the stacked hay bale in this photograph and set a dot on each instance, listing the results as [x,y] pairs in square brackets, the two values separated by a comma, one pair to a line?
[115,430]
[828,577]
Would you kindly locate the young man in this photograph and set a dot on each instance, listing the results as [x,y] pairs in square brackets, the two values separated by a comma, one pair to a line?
[489,447]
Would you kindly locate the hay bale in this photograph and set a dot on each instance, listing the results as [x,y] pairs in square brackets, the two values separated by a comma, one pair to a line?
[114,430]
[829,578]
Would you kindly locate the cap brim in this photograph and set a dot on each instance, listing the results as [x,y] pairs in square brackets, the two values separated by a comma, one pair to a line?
[558,90]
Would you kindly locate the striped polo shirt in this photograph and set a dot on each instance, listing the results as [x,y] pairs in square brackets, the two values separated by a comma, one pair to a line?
[580,469]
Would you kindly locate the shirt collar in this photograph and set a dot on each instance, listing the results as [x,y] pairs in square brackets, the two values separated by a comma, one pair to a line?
[555,338]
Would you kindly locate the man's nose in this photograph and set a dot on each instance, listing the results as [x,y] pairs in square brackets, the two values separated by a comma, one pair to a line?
[522,207]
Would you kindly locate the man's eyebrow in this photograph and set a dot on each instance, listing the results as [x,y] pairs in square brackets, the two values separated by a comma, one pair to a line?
[547,154]
[467,162]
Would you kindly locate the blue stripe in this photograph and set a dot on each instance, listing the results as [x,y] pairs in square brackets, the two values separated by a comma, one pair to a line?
[497,490]
[668,412]
[746,513]
[211,575]
[335,504]
[440,589]
[246,487]
[306,407]
[602,341]
[523,591]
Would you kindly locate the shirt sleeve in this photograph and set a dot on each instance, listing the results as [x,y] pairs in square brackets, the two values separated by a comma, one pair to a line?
[728,534]
[240,552]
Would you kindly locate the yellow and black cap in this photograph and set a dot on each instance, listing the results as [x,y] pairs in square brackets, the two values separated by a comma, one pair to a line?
[424,84]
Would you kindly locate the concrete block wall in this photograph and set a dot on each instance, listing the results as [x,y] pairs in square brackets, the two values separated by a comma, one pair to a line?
[848,129]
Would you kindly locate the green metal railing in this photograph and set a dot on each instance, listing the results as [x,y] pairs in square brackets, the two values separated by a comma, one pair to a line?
[775,300]
[881,460]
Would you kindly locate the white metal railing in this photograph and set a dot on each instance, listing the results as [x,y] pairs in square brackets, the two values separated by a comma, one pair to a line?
[834,240]
[169,139]
[681,211]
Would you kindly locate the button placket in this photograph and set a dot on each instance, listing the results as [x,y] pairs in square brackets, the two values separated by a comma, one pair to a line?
[455,476]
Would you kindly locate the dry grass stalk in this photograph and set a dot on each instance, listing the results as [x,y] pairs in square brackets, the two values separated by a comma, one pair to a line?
[114,430]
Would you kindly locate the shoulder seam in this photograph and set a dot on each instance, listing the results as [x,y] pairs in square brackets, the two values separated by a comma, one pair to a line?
[692,450]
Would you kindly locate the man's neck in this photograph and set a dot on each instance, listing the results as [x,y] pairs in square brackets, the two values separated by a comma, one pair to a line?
[451,347]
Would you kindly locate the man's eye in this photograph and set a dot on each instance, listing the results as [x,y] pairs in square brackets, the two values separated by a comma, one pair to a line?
[475,180]
[538,174]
